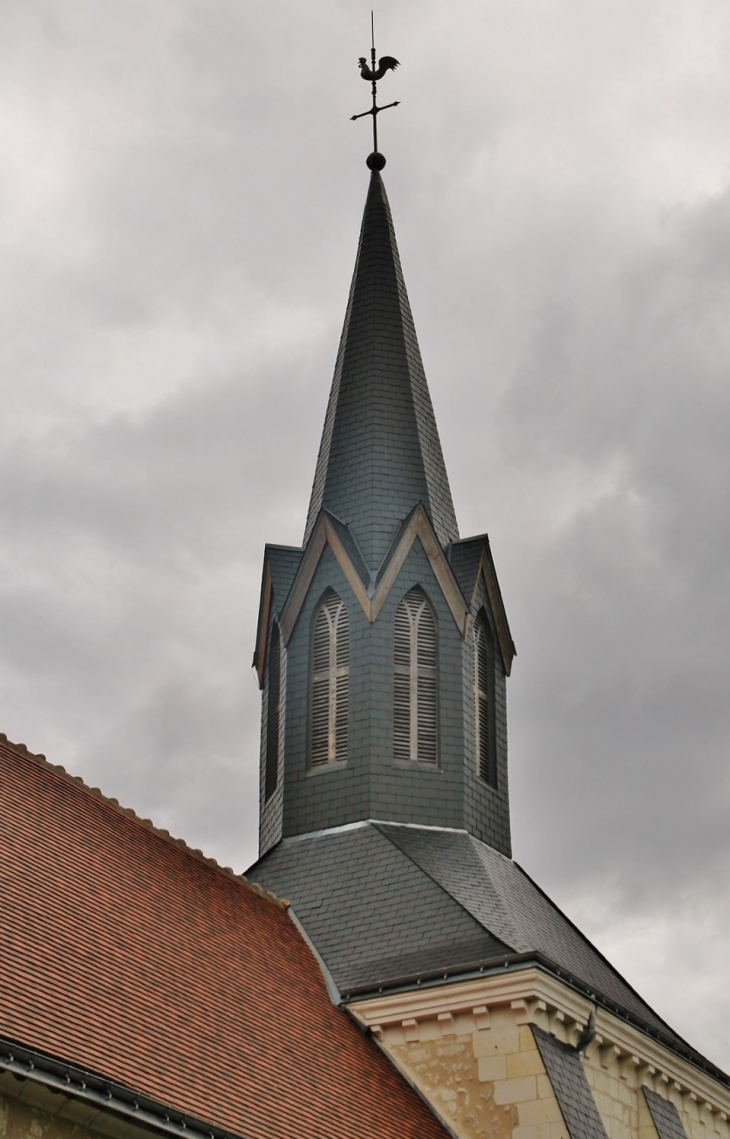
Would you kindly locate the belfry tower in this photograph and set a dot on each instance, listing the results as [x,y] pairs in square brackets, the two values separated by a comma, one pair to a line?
[383,645]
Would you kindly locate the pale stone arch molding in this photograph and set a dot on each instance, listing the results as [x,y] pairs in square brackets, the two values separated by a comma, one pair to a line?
[373,596]
[484,703]
[415,680]
[259,656]
[330,682]
[488,575]
[372,591]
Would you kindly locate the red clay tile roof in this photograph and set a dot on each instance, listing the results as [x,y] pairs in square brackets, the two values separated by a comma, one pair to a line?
[124,952]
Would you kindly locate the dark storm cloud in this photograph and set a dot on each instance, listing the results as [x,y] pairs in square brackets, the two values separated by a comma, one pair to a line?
[180,197]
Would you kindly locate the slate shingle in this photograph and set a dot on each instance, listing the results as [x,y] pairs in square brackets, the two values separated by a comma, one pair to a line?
[283,564]
[465,557]
[351,547]
[372,913]
[665,1116]
[403,900]
[572,1090]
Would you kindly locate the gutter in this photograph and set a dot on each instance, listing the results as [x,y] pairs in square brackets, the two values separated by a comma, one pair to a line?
[107,1095]
[515,961]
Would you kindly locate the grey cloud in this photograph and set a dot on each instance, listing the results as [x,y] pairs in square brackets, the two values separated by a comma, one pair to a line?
[181,197]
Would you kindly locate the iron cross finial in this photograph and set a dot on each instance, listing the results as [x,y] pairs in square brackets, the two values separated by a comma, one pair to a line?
[375,161]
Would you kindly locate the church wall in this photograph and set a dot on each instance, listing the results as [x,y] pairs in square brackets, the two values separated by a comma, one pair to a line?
[411,792]
[470,1050]
[370,784]
[486,1085]
[271,813]
[486,808]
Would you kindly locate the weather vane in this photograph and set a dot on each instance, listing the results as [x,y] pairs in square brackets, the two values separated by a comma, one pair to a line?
[375,161]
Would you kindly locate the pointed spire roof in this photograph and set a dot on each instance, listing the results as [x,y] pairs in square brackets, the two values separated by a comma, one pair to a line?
[380,452]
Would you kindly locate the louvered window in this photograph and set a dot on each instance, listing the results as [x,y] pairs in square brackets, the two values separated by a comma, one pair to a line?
[330,682]
[415,734]
[484,699]
[273,713]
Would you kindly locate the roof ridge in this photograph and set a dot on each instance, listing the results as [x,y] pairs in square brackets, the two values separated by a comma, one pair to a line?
[504,910]
[444,890]
[22,750]
[605,960]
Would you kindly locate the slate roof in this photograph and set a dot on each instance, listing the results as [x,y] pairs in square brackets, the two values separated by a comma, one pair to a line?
[364,904]
[283,562]
[380,451]
[127,954]
[665,1117]
[390,904]
[572,1090]
[464,558]
[352,548]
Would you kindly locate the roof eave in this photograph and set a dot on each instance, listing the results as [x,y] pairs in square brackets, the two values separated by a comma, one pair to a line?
[108,1096]
[516,961]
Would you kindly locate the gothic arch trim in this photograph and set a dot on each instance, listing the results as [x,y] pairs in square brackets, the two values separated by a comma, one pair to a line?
[372,599]
[484,702]
[324,534]
[419,526]
[262,639]
[329,681]
[415,680]
[488,575]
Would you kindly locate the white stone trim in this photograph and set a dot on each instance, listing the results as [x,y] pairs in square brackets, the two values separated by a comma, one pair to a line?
[539,998]
[324,534]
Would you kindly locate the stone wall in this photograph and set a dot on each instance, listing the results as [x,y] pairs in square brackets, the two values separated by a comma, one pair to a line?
[487,1084]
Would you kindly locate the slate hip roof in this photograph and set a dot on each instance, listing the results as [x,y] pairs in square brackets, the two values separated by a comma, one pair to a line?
[391,904]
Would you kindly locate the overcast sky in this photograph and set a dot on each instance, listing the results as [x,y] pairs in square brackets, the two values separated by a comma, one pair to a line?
[181,191]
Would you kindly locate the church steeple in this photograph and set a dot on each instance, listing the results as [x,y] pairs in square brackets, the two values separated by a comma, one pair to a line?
[380,452]
[383,653]
[383,646]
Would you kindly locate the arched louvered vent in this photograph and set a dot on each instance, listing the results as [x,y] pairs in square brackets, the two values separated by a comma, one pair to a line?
[415,728]
[330,682]
[484,699]
[273,714]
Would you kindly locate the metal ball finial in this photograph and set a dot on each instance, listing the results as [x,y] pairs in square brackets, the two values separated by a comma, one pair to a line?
[375,161]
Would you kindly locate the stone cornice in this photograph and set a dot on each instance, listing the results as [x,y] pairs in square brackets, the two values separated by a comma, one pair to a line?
[539,998]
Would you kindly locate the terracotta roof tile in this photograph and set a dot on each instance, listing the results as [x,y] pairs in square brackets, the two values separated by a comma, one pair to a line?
[125,952]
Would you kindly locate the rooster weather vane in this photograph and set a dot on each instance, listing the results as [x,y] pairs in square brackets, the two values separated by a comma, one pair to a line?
[375,161]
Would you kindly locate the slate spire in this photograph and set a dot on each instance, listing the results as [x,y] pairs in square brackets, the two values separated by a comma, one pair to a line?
[380,452]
